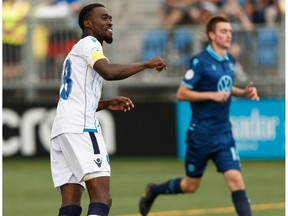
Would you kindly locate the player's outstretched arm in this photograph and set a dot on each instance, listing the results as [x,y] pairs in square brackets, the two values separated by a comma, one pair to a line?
[121,71]
[119,103]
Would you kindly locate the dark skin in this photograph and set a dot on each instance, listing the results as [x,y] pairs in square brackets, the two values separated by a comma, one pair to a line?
[120,103]
[99,25]
[98,188]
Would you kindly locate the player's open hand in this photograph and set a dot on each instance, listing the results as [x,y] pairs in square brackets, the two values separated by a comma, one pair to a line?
[250,92]
[120,103]
[158,63]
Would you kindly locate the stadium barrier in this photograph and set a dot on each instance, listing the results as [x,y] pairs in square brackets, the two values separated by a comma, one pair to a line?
[27,129]
[152,129]
[49,40]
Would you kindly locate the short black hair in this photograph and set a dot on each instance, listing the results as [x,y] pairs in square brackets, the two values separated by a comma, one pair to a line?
[212,22]
[85,12]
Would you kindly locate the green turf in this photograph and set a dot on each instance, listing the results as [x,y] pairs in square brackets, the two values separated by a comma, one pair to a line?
[28,190]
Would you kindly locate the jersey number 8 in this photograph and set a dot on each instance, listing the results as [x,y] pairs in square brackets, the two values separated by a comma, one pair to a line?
[66,85]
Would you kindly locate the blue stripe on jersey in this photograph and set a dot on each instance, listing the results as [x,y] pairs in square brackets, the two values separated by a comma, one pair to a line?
[187,85]
[94,143]
[90,130]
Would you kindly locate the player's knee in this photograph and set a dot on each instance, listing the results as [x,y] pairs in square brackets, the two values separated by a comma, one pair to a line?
[235,182]
[191,188]
[101,197]
[109,200]
[105,198]
[190,185]
[236,185]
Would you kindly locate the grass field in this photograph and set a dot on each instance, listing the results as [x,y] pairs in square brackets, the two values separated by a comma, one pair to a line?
[28,190]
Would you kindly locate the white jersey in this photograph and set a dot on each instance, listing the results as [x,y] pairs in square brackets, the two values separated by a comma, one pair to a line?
[80,90]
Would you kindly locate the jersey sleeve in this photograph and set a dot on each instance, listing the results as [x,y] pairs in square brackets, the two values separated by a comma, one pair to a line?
[93,51]
[193,74]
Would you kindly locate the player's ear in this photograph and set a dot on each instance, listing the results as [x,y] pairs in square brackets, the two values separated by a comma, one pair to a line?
[88,24]
[211,35]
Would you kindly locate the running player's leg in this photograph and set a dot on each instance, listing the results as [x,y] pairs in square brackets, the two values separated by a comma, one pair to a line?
[236,185]
[173,186]
[195,163]
[228,162]
[99,194]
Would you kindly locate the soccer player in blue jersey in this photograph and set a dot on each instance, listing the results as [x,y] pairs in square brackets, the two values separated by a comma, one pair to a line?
[208,86]
[78,153]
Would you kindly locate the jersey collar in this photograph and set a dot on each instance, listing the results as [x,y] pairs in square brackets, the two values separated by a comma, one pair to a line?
[84,35]
[214,55]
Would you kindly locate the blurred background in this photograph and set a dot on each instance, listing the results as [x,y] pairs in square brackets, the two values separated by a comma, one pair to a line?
[36,41]
[37,35]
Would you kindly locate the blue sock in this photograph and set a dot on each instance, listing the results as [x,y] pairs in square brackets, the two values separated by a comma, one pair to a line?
[170,187]
[71,210]
[98,209]
[241,203]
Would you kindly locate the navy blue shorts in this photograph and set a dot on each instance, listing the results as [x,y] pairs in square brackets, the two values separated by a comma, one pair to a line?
[201,147]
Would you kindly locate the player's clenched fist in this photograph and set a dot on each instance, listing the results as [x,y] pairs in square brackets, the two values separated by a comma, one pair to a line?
[220,96]
[158,63]
[250,92]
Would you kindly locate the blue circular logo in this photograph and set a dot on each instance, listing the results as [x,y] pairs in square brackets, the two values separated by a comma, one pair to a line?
[191,168]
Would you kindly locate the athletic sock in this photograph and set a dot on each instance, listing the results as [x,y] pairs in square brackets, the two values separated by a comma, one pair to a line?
[71,210]
[99,209]
[170,187]
[241,203]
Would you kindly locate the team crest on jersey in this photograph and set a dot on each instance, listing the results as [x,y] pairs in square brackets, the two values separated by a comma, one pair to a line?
[189,74]
[225,84]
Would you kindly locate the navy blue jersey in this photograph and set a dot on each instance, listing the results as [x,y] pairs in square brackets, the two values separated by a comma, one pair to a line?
[210,72]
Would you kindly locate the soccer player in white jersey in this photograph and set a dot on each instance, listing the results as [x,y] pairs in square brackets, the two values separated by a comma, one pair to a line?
[79,157]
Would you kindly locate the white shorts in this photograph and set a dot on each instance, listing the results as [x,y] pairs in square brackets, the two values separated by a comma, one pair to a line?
[76,158]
